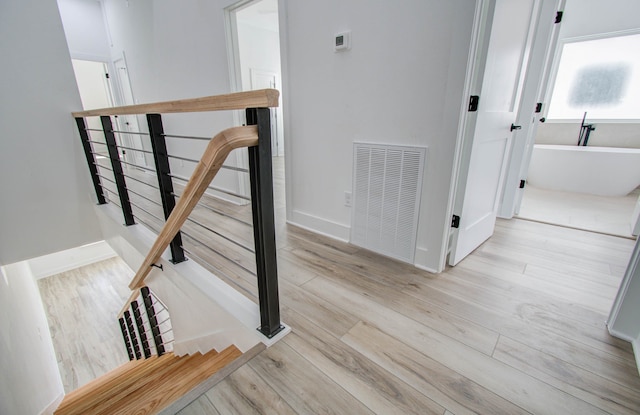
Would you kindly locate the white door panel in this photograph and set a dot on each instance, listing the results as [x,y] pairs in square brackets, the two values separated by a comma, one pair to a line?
[480,183]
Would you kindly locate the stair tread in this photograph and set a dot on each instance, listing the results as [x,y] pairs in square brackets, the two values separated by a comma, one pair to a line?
[83,398]
[147,390]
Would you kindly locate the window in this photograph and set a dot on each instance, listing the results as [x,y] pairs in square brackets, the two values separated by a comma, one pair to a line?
[600,77]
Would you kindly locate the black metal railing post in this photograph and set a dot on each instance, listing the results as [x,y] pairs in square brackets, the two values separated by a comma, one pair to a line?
[163,171]
[153,321]
[116,166]
[261,175]
[142,332]
[91,160]
[132,335]
[125,337]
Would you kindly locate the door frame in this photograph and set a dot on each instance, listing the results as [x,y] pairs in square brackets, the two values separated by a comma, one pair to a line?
[235,77]
[122,90]
[536,89]
[481,32]
[235,80]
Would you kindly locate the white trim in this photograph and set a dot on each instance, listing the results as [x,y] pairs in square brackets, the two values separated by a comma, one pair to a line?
[551,80]
[52,264]
[620,335]
[320,225]
[597,36]
[635,344]
[89,57]
[50,409]
[425,268]
[636,351]
[593,120]
[421,259]
[463,141]
[624,287]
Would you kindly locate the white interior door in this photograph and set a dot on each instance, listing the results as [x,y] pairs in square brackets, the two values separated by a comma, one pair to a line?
[538,74]
[487,141]
[128,123]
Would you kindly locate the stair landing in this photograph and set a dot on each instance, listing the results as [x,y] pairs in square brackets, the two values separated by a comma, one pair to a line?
[146,386]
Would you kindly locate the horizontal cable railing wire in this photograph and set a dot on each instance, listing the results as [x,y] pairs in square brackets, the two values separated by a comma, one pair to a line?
[219,247]
[224,166]
[222,236]
[141,181]
[136,149]
[129,132]
[219,212]
[147,212]
[238,195]
[137,166]
[188,137]
[145,197]
[215,251]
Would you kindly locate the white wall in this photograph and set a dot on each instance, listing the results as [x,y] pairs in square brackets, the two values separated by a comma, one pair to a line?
[84,29]
[176,50]
[259,49]
[30,382]
[586,18]
[401,83]
[46,193]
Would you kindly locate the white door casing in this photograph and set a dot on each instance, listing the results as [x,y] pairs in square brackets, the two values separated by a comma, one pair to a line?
[128,123]
[538,73]
[262,79]
[504,48]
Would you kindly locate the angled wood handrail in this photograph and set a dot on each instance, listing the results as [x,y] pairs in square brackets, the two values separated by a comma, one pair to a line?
[263,98]
[214,155]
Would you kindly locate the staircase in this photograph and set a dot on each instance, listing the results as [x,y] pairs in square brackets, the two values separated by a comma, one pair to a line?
[146,386]
[157,379]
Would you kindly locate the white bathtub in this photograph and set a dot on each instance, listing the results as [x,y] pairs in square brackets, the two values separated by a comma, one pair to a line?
[604,171]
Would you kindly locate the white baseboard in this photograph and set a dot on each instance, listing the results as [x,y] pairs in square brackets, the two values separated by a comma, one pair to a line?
[50,409]
[52,264]
[320,225]
[421,261]
[636,352]
[635,343]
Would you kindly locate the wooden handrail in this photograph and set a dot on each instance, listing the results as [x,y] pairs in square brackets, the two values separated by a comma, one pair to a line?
[214,155]
[263,98]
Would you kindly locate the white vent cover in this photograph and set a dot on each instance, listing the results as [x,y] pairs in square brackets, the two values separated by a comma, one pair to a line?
[387,183]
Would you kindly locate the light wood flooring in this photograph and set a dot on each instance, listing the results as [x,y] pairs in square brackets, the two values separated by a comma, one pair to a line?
[517,327]
[82,307]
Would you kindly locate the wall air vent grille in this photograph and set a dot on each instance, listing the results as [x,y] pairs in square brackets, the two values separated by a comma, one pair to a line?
[387,183]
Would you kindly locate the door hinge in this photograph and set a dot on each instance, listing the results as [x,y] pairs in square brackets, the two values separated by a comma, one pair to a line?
[106,75]
[522,184]
[455,221]
[473,103]
[539,107]
[559,16]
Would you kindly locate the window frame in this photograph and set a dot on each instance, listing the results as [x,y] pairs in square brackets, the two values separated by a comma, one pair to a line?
[554,73]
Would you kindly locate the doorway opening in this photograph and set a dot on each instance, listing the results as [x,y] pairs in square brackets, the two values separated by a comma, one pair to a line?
[254,35]
[253,43]
[591,86]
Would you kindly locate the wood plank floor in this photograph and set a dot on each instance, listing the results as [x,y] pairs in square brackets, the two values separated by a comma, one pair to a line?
[516,328]
[82,307]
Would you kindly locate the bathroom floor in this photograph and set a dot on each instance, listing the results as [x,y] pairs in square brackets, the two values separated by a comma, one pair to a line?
[611,215]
